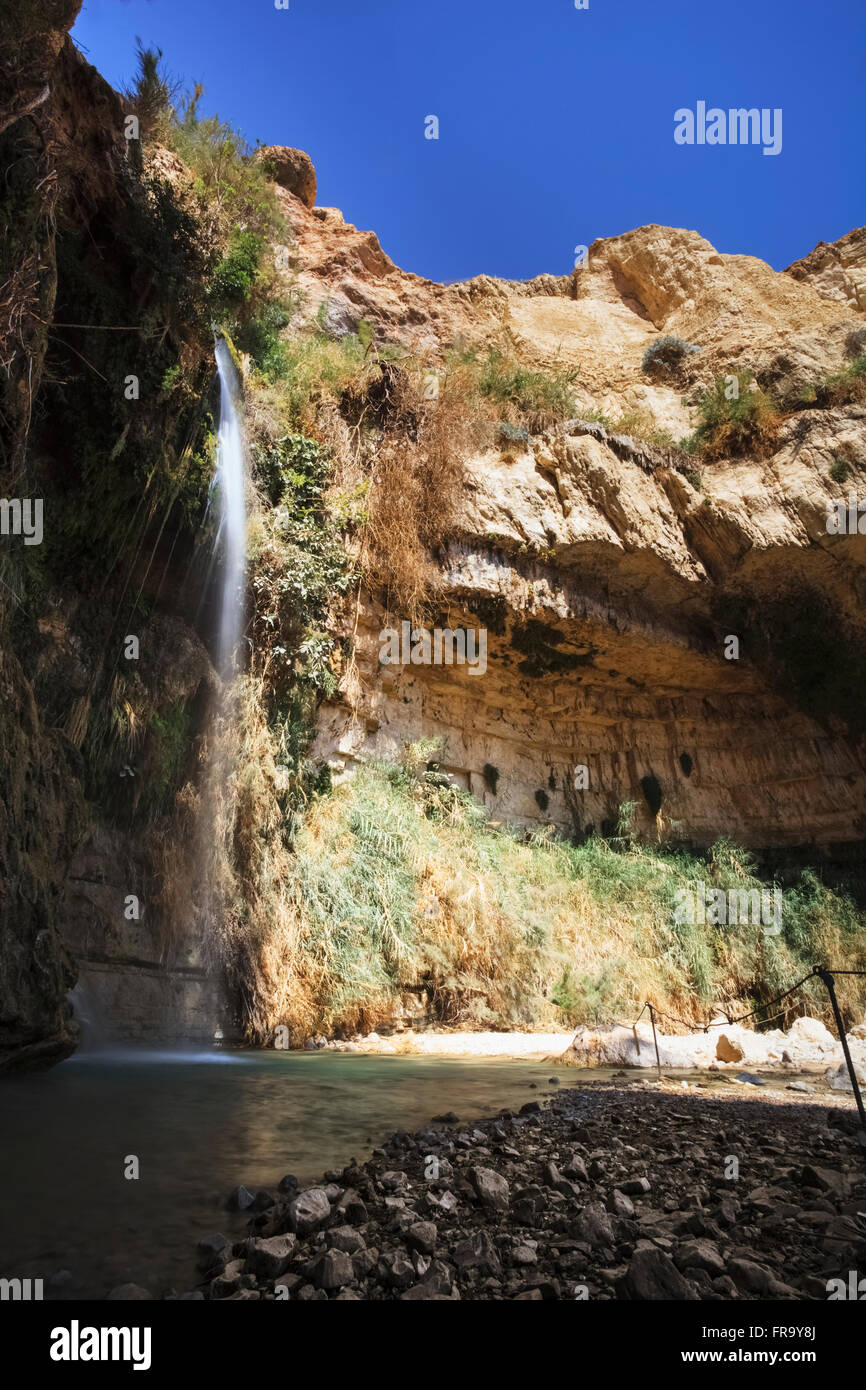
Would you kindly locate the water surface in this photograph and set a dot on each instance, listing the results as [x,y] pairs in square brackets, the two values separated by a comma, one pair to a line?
[199,1124]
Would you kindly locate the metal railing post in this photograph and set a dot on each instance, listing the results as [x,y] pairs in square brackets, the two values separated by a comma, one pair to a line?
[826,978]
[655,1039]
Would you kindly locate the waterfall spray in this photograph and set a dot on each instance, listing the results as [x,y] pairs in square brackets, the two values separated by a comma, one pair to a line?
[215,828]
[233,520]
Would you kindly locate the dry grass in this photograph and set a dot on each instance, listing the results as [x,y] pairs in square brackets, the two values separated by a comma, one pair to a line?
[743,425]
[396,884]
[409,469]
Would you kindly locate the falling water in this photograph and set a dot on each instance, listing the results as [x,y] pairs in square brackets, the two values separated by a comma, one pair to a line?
[233,521]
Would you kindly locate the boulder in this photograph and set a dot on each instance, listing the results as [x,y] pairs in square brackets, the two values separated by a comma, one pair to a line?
[333,1270]
[809,1034]
[700,1254]
[345,1238]
[241,1199]
[594,1225]
[827,1179]
[620,1205]
[728,1049]
[490,1187]
[309,1210]
[267,1259]
[477,1252]
[293,170]
[421,1236]
[653,1276]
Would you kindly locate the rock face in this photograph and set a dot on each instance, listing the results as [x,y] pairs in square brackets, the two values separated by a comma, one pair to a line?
[837,270]
[607,574]
[66,868]
[292,170]
[38,789]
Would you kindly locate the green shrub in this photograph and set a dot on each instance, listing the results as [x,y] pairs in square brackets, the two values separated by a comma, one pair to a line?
[541,397]
[845,387]
[666,355]
[294,465]
[308,369]
[840,470]
[735,419]
[235,276]
[533,399]
[151,94]
[260,337]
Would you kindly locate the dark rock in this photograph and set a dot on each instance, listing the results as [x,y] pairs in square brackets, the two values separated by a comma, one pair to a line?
[636,1187]
[576,1168]
[490,1187]
[333,1270]
[593,1225]
[652,1275]
[477,1252]
[309,1210]
[620,1205]
[827,1179]
[345,1238]
[396,1271]
[351,1208]
[422,1236]
[267,1259]
[699,1254]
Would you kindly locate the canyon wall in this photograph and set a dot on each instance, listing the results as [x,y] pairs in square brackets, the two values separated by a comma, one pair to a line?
[74,252]
[608,574]
[608,570]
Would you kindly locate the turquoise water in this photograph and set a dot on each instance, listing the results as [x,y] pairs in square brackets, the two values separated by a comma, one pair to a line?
[199,1124]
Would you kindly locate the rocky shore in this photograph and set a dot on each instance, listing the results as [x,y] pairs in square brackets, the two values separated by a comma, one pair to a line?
[626,1190]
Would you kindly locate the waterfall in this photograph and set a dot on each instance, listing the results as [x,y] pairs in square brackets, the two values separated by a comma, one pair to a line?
[230,478]
[215,829]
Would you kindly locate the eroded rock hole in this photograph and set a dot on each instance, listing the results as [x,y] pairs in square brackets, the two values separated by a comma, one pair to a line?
[652,791]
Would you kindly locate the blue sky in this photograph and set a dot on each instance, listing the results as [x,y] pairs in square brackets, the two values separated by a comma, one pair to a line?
[556,124]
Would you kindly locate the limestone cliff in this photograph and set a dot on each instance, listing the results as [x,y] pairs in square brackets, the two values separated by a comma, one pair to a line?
[608,573]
